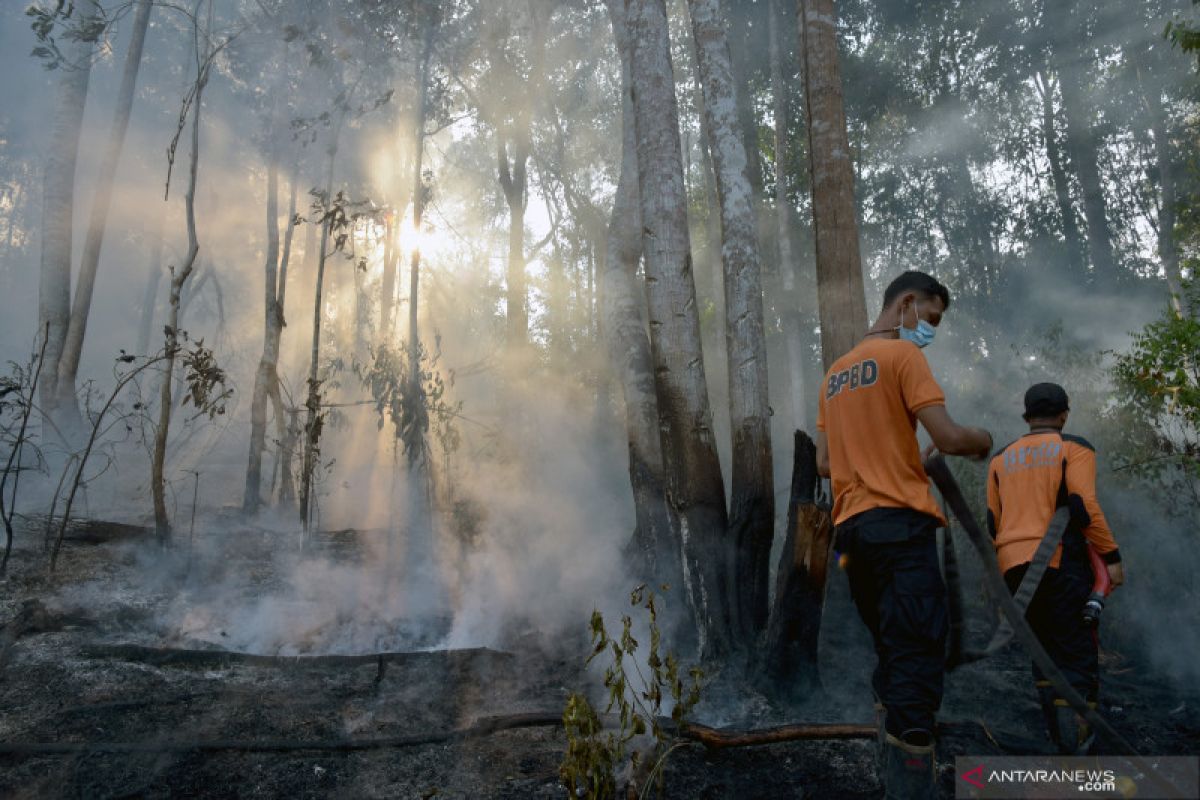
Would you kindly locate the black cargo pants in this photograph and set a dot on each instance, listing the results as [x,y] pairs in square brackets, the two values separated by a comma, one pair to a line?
[892,565]
[1056,615]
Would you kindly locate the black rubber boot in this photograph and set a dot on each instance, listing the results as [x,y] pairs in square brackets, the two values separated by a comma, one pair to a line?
[908,767]
[1074,734]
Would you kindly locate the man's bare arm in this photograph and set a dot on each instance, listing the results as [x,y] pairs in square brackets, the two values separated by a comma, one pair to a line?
[822,455]
[951,438]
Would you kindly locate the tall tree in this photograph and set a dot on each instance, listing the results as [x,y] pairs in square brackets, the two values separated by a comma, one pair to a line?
[788,268]
[843,308]
[695,486]
[68,365]
[623,303]
[1074,59]
[513,142]
[1058,175]
[752,504]
[265,376]
[58,199]
[179,278]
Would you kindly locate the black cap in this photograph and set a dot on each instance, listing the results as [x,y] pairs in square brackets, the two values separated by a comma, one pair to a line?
[1045,400]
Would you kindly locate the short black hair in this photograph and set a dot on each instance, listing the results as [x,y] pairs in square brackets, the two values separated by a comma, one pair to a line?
[913,281]
[1045,401]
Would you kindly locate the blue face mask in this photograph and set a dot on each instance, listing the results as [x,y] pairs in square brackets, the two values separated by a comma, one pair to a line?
[921,336]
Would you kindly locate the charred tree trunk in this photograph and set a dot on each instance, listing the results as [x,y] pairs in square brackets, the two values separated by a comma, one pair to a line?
[843,308]
[695,487]
[58,204]
[752,505]
[789,663]
[68,366]
[655,545]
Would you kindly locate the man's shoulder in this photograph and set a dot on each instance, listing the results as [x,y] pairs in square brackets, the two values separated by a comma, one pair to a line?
[1072,439]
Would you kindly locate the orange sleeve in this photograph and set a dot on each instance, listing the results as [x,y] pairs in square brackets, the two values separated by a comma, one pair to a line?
[1081,482]
[917,383]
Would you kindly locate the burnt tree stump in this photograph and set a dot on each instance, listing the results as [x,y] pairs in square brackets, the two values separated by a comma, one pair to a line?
[788,669]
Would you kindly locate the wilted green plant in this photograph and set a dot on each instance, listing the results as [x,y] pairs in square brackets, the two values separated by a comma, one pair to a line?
[595,755]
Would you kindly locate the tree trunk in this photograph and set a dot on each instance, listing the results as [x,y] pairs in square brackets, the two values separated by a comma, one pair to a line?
[752,505]
[695,486]
[843,308]
[1167,251]
[264,377]
[655,544]
[312,402]
[788,267]
[514,180]
[68,365]
[1058,174]
[387,286]
[162,525]
[515,184]
[1074,62]
[58,202]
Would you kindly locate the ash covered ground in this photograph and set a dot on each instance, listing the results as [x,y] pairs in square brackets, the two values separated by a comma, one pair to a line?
[76,674]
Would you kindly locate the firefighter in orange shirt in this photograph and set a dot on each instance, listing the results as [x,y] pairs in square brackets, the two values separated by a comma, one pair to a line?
[1028,481]
[887,518]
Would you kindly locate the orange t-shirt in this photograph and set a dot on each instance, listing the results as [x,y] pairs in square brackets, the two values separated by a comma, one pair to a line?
[868,412]
[1032,477]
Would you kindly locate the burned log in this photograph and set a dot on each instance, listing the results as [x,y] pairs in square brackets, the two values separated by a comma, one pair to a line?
[789,658]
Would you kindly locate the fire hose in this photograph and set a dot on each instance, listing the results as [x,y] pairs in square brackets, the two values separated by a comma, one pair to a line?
[939,473]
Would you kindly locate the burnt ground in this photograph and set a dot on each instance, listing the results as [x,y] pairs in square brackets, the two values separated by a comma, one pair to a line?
[63,686]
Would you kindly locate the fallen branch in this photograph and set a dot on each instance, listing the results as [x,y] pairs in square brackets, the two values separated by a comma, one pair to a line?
[167,656]
[722,739]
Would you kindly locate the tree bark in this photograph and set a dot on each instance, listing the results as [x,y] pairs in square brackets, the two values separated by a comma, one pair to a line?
[843,309]
[655,544]
[695,486]
[68,365]
[1058,174]
[752,504]
[58,202]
